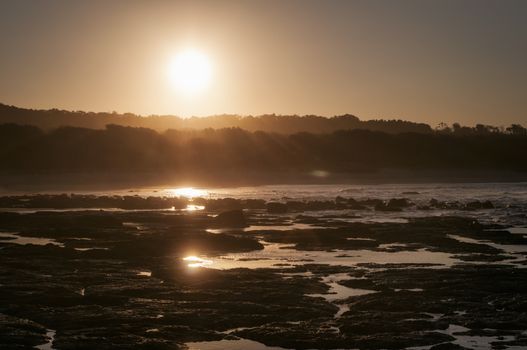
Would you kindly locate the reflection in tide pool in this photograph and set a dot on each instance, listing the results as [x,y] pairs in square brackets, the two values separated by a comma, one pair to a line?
[291,226]
[506,248]
[518,230]
[193,207]
[239,344]
[337,292]
[465,340]
[17,239]
[194,261]
[50,334]
[276,255]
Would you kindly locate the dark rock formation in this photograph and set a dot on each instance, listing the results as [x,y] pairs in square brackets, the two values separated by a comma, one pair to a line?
[276,208]
[231,218]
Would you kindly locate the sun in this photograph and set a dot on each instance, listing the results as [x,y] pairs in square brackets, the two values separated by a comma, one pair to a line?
[190,71]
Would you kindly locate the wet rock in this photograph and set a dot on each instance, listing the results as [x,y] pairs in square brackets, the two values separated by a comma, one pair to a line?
[276,208]
[17,333]
[223,204]
[340,200]
[302,335]
[434,203]
[394,204]
[448,346]
[231,218]
[320,239]
[476,205]
[399,203]
[295,206]
[320,205]
[355,205]
[371,202]
[96,299]
[306,219]
[254,204]
[362,283]
[65,201]
[385,207]
[482,257]
[402,340]
[487,205]
[65,220]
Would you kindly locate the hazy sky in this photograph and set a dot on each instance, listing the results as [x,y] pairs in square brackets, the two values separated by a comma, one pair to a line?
[430,61]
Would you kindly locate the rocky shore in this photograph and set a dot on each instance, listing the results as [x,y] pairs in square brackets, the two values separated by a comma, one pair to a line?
[97,277]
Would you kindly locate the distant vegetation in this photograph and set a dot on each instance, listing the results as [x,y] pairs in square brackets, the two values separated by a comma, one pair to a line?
[54,141]
[54,118]
[28,149]
[282,124]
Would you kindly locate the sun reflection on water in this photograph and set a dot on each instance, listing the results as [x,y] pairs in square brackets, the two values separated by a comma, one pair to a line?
[188,192]
[194,261]
[193,207]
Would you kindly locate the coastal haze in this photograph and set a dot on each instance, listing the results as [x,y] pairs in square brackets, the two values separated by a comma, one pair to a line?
[263,175]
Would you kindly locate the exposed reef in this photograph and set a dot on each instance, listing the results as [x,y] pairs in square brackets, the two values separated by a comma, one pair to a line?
[148,279]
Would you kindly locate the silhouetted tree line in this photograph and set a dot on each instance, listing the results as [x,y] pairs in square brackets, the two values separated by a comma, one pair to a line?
[54,118]
[28,149]
[481,129]
[283,124]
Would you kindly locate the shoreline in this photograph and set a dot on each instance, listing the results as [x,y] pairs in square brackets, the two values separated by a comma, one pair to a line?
[16,183]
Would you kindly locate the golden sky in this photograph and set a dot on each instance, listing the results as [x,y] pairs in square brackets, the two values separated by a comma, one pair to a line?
[421,60]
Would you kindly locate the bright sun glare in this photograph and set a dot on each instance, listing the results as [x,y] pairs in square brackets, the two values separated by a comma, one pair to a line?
[188,192]
[194,261]
[190,71]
